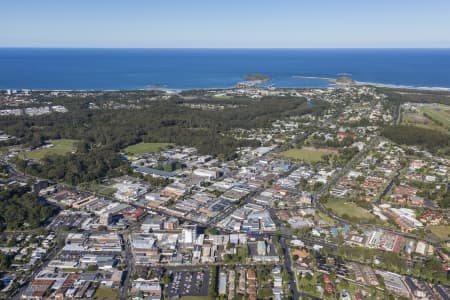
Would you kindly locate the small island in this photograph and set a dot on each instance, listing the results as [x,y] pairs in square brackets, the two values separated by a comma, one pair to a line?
[256,77]
[344,80]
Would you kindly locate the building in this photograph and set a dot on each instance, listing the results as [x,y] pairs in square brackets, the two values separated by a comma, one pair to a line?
[394,283]
[128,191]
[206,174]
[134,215]
[105,219]
[174,190]
[222,283]
[152,223]
[189,234]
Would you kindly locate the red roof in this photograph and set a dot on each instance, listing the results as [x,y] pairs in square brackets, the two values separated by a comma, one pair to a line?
[42,282]
[70,279]
[329,288]
[135,214]
[398,243]
[358,296]
[63,192]
[39,293]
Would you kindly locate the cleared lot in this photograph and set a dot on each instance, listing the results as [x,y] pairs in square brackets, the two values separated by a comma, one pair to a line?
[141,148]
[307,154]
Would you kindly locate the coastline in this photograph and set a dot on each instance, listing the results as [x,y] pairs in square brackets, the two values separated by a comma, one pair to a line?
[176,90]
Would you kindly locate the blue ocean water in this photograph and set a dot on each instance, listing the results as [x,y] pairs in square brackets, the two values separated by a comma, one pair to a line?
[119,69]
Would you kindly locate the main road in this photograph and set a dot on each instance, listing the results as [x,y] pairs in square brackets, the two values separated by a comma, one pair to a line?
[296,294]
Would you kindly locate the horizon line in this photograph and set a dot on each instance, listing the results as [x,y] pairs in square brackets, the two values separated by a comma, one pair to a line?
[229,48]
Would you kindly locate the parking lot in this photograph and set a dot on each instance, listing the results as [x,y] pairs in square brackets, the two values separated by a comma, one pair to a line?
[71,220]
[193,283]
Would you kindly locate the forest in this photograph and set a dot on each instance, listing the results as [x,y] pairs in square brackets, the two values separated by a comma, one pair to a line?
[432,140]
[156,121]
[20,208]
[398,96]
[104,132]
[78,167]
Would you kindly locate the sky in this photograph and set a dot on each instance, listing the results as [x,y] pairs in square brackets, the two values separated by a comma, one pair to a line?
[225,23]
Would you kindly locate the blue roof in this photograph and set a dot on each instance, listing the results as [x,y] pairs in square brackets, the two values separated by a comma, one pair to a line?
[281,166]
[346,229]
[334,232]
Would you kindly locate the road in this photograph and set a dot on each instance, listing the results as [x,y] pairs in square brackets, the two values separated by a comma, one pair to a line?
[388,187]
[128,260]
[356,160]
[296,294]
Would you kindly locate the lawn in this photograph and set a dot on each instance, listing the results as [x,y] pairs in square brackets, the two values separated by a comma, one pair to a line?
[141,148]
[103,293]
[340,207]
[441,231]
[60,147]
[307,154]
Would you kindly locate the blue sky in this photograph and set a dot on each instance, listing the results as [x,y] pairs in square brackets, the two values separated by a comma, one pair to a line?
[225,23]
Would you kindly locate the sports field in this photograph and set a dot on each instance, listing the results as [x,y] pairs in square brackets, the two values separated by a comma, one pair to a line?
[307,154]
[58,147]
[340,207]
[440,231]
[142,148]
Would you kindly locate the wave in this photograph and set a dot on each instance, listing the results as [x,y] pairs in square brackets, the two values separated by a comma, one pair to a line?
[406,87]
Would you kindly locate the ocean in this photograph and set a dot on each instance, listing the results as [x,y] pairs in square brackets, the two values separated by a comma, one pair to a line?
[125,69]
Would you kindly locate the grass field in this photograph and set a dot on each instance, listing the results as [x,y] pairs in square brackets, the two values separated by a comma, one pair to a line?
[416,118]
[223,97]
[439,113]
[441,231]
[141,148]
[340,207]
[326,218]
[432,116]
[106,294]
[60,147]
[307,154]
[101,189]
[196,298]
